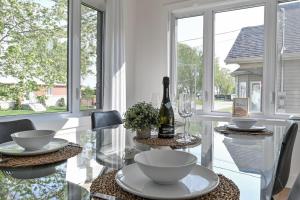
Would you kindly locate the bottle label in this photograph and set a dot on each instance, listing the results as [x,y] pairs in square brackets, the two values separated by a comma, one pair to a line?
[168,105]
[166,130]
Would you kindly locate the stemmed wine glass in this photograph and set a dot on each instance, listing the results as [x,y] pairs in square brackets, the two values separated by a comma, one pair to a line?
[185,110]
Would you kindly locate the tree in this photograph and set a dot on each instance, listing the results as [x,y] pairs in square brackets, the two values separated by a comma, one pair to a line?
[34,42]
[190,72]
[88,94]
[224,82]
[189,68]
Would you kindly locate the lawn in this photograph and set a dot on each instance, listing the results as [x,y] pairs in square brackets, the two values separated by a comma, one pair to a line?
[50,109]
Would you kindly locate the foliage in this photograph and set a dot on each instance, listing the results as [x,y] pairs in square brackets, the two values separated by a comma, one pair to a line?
[224,82]
[88,93]
[33,45]
[189,68]
[190,72]
[42,99]
[61,102]
[141,116]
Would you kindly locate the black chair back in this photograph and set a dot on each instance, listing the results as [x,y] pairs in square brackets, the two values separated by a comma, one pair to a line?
[295,192]
[7,128]
[104,119]
[284,162]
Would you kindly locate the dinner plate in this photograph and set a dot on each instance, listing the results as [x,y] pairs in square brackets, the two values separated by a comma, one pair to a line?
[252,129]
[198,182]
[12,148]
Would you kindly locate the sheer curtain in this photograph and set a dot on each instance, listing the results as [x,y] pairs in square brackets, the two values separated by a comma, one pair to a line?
[115,66]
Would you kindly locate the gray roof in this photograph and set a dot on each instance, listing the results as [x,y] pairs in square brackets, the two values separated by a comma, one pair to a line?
[258,71]
[250,41]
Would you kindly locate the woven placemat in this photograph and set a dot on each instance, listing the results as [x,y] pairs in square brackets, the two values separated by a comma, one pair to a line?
[106,184]
[171,142]
[225,130]
[26,161]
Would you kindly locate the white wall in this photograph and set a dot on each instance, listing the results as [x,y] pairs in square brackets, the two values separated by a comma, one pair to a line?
[150,53]
[130,36]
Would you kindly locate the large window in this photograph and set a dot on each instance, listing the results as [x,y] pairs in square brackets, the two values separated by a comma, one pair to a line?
[238,57]
[91,58]
[33,56]
[288,66]
[189,69]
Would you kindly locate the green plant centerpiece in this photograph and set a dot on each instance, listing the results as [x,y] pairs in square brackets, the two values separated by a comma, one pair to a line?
[141,117]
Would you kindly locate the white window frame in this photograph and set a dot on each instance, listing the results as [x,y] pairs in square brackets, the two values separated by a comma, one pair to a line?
[74,74]
[270,45]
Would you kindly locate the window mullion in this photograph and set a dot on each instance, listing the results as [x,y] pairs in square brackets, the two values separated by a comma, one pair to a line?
[269,70]
[74,72]
[208,42]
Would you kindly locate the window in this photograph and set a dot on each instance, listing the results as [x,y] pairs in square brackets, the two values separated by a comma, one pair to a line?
[288,65]
[242,90]
[91,58]
[189,60]
[238,57]
[33,56]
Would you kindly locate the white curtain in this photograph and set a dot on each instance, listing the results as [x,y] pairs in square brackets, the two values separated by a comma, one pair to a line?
[115,66]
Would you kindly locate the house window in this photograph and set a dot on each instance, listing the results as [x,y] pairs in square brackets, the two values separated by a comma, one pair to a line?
[189,58]
[91,58]
[255,96]
[238,55]
[33,56]
[288,54]
[242,93]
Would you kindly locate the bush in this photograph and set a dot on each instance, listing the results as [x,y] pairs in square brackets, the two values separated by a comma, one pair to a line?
[61,102]
[42,99]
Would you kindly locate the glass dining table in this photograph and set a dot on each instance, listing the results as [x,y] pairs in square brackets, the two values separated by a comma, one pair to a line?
[249,161]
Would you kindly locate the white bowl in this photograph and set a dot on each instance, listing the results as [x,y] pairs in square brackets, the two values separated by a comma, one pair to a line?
[165,166]
[33,139]
[245,123]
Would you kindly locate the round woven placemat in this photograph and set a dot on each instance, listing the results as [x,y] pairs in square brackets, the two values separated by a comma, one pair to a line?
[155,141]
[26,161]
[106,184]
[225,130]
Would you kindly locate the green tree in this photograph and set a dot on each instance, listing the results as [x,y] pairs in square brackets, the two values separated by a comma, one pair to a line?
[190,72]
[224,82]
[88,94]
[189,68]
[34,42]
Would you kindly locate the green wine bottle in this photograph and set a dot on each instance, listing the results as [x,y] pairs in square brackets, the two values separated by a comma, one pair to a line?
[166,114]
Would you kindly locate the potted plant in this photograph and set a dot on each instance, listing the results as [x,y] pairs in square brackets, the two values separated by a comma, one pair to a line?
[141,117]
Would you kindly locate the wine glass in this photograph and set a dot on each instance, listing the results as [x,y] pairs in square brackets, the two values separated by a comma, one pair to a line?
[185,110]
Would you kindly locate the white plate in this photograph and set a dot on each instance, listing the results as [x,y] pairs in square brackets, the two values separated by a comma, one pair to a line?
[199,182]
[252,129]
[12,148]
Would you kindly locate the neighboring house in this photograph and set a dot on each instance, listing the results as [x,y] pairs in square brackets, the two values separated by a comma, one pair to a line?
[53,94]
[248,52]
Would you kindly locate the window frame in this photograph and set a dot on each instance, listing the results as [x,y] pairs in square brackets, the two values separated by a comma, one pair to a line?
[99,62]
[73,68]
[270,46]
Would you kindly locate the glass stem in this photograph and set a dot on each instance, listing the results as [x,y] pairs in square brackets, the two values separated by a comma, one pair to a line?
[184,128]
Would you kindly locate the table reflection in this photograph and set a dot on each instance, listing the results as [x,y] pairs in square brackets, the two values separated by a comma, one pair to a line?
[250,161]
[41,182]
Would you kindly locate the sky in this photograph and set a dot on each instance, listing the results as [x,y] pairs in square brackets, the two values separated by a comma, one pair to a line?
[227,27]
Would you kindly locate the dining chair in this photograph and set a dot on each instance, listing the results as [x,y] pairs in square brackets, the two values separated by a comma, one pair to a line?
[285,156]
[104,119]
[295,191]
[9,127]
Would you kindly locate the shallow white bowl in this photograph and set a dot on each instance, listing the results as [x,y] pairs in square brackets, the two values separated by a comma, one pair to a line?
[165,166]
[245,123]
[34,139]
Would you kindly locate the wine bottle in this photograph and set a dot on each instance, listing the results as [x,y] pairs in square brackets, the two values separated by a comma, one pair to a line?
[166,114]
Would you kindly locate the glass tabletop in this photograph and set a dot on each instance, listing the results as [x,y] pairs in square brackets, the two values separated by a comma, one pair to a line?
[250,161]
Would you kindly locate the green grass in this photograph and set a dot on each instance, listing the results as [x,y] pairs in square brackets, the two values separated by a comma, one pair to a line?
[51,109]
